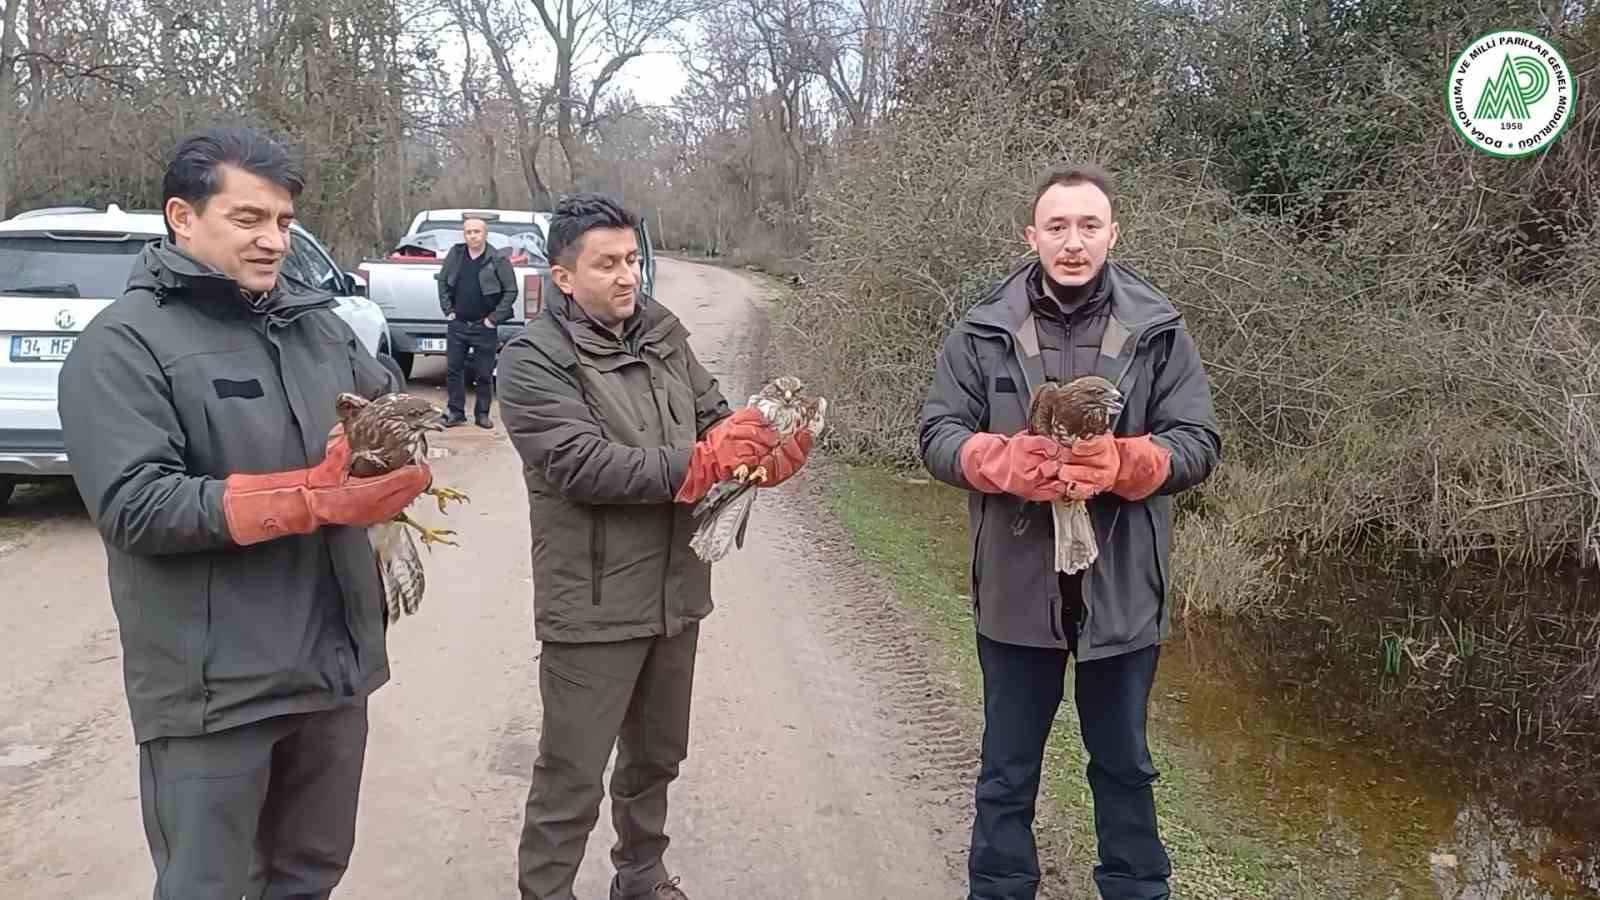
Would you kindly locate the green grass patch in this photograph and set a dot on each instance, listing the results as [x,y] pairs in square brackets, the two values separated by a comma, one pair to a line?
[913,532]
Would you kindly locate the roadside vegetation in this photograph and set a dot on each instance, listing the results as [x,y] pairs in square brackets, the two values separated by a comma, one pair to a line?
[1403,335]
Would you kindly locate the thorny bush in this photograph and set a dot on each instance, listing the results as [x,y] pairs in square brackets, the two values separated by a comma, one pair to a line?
[1376,386]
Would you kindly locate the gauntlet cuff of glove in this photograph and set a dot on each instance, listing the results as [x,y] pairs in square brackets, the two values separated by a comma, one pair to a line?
[1144,468]
[263,507]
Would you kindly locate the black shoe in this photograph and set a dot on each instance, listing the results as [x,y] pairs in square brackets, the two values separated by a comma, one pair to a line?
[485,422]
[450,421]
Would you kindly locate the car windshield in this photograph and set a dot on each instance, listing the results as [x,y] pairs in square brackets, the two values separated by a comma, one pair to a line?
[43,266]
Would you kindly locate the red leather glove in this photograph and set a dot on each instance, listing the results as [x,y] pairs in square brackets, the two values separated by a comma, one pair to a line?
[1144,467]
[741,439]
[782,463]
[260,507]
[1022,464]
[1091,466]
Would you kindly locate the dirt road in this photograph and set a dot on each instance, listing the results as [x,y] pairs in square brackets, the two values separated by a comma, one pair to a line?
[820,765]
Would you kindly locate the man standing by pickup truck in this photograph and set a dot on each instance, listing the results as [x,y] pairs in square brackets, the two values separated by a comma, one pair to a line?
[476,289]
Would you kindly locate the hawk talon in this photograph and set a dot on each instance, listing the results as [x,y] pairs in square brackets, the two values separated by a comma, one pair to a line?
[759,476]
[430,536]
[742,472]
[443,494]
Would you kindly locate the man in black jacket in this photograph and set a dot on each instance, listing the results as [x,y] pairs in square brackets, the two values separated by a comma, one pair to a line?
[198,413]
[1071,312]
[477,287]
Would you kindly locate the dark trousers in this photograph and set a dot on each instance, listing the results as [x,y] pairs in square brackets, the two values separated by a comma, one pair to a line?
[483,341]
[1022,687]
[265,811]
[631,694]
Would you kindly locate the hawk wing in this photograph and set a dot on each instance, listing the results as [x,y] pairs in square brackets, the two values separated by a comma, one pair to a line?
[400,568]
[724,512]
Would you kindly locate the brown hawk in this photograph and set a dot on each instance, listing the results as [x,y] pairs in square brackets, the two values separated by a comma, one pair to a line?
[385,434]
[725,509]
[1082,408]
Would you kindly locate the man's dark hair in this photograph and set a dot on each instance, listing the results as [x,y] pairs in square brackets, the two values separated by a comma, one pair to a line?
[194,168]
[576,216]
[1067,176]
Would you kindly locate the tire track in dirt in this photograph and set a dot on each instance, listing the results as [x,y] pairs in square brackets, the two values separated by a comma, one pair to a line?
[937,740]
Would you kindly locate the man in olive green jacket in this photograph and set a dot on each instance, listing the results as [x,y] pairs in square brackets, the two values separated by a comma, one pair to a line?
[620,430]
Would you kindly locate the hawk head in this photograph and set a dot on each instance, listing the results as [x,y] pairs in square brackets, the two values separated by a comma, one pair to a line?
[787,405]
[1083,407]
[783,389]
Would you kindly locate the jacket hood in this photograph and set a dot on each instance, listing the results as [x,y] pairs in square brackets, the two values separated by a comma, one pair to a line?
[1135,303]
[651,323]
[169,272]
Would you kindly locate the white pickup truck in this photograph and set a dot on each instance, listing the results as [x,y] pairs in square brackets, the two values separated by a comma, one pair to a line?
[404,287]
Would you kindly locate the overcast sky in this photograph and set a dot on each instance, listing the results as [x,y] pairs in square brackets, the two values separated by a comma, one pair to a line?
[654,78]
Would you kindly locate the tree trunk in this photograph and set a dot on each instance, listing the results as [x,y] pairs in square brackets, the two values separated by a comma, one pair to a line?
[566,133]
[8,98]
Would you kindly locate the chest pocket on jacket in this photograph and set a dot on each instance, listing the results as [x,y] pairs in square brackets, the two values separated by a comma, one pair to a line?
[235,415]
[1005,393]
[671,380]
[617,388]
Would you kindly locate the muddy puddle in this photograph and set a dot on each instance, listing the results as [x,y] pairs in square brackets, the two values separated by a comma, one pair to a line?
[1438,728]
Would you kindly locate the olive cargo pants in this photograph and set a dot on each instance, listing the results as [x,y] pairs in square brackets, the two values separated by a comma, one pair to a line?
[631,694]
[265,810]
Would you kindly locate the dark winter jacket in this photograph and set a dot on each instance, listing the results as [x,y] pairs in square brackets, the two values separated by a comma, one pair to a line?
[178,384]
[496,279]
[605,426]
[988,368]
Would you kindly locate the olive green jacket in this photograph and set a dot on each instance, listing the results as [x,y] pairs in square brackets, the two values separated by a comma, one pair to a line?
[605,425]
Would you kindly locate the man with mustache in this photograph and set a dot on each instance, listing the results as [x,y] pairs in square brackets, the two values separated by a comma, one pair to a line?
[198,413]
[621,431]
[1067,314]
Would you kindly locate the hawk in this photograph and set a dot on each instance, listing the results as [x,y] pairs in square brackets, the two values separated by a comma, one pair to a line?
[384,434]
[1082,408]
[725,509]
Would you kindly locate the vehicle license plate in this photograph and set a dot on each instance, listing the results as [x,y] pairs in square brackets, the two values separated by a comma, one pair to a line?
[27,348]
[431,344]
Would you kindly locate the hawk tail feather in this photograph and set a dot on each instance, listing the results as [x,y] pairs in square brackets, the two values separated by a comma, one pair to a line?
[1076,548]
[723,526]
[399,567]
[720,493]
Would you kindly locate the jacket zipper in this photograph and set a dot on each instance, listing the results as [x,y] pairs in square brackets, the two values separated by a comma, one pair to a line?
[597,552]
[205,647]
[344,672]
[268,323]
[977,545]
[658,391]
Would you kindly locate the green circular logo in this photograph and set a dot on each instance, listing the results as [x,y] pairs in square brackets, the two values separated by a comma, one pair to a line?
[1510,93]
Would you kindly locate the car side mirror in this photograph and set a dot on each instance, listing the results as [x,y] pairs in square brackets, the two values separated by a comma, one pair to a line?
[357,284]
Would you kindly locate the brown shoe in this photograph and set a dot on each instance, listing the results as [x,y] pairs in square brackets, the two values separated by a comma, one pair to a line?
[669,890]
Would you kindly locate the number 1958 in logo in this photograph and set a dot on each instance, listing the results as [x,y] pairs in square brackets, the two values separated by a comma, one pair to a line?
[1510,93]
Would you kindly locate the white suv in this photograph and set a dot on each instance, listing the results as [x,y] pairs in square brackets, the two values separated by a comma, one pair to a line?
[58,269]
